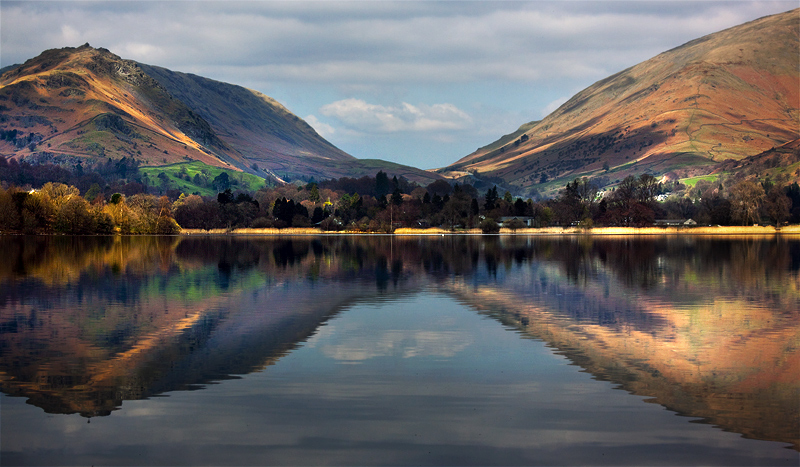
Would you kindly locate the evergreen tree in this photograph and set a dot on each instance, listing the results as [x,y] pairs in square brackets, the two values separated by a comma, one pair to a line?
[382,184]
[397,197]
[491,199]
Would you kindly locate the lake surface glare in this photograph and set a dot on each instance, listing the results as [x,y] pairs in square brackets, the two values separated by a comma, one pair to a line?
[457,350]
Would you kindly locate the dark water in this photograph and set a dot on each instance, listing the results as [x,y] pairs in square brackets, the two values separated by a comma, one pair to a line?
[411,351]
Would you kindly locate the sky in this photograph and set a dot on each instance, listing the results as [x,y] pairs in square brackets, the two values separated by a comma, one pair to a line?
[422,83]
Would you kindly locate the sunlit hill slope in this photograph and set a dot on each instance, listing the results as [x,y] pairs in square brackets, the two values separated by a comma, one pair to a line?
[725,96]
[73,104]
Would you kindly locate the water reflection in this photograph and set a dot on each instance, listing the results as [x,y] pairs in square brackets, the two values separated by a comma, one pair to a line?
[705,327]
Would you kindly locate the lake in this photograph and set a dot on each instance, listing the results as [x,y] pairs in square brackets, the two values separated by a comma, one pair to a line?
[390,350]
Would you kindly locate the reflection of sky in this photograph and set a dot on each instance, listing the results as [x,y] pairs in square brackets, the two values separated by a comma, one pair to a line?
[437,384]
[408,344]
[354,338]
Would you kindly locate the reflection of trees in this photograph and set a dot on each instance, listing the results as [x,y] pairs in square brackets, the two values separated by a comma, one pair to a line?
[133,307]
[660,264]
[641,263]
[45,268]
[56,259]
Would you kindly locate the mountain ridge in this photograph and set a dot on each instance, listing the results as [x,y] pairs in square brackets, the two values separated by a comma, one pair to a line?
[727,95]
[73,104]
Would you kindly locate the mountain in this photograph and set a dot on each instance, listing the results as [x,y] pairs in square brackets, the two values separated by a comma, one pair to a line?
[725,96]
[73,104]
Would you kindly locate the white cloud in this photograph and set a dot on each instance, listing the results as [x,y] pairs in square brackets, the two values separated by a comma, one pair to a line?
[377,42]
[364,117]
[70,34]
[141,52]
[407,344]
[552,106]
[323,129]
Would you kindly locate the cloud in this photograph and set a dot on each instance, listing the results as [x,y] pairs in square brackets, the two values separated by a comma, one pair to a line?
[364,117]
[141,51]
[406,344]
[369,42]
[552,106]
[70,34]
[325,130]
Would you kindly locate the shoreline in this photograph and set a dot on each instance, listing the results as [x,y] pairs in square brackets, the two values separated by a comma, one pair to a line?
[544,231]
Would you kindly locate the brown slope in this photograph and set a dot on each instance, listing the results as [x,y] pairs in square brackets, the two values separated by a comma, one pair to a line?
[728,95]
[268,135]
[256,126]
[246,118]
[89,103]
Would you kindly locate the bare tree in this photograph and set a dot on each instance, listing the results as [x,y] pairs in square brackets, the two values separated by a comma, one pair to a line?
[777,205]
[746,198]
[647,189]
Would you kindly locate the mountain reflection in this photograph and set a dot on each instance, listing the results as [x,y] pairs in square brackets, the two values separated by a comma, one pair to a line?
[706,327]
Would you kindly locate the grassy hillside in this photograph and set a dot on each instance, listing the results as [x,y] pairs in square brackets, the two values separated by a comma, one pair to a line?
[198,178]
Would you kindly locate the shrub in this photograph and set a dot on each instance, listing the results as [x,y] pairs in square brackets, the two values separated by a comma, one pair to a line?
[514,224]
[331,224]
[262,223]
[489,226]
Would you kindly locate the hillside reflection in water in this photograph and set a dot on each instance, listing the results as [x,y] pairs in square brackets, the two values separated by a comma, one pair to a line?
[383,350]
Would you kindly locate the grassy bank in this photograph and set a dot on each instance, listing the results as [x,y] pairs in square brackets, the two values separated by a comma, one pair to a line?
[716,230]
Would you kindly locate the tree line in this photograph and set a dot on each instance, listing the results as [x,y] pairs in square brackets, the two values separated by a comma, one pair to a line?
[378,204]
[59,208]
[640,201]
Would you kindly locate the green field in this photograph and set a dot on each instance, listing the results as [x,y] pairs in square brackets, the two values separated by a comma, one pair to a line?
[197,178]
[692,181]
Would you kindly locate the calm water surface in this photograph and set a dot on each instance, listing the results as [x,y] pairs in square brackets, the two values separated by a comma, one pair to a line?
[387,351]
